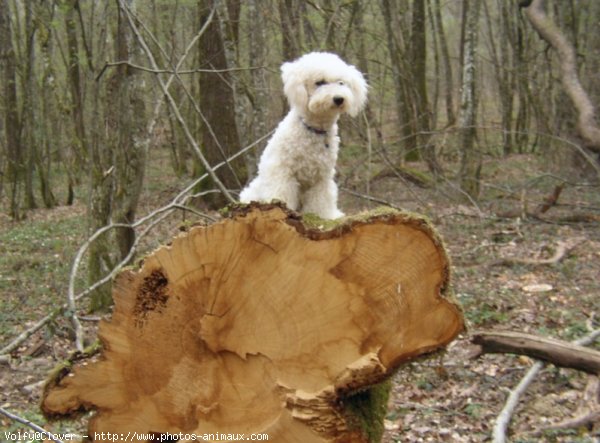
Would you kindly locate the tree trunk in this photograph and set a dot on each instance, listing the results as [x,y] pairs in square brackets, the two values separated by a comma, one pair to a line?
[12,120]
[29,93]
[587,126]
[503,71]
[101,153]
[470,167]
[292,35]
[448,76]
[220,138]
[130,154]
[48,130]
[264,323]
[260,85]
[418,63]
[400,71]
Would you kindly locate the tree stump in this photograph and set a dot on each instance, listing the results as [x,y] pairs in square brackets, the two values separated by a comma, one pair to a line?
[264,323]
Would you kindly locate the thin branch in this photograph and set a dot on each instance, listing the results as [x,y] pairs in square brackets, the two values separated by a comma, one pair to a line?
[177,203]
[175,72]
[175,108]
[184,86]
[14,344]
[563,248]
[503,419]
[47,434]
[370,198]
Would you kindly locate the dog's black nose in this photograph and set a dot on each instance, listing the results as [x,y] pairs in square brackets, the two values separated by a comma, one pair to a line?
[339,101]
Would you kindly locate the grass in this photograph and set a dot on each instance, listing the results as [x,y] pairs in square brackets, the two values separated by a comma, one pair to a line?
[35,258]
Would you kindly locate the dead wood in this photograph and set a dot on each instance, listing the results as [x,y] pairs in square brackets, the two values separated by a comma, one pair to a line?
[266,323]
[557,352]
[503,419]
[550,201]
[563,248]
[417,178]
[586,416]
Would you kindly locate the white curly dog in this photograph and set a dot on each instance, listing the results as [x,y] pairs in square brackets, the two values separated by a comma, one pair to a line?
[298,164]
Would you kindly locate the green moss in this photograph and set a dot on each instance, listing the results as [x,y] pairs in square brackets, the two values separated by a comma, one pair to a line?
[366,410]
[63,368]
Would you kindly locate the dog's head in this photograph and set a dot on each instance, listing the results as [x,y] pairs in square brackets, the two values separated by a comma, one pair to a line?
[323,84]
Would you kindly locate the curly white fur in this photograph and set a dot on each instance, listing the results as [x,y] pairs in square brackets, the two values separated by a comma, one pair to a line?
[298,164]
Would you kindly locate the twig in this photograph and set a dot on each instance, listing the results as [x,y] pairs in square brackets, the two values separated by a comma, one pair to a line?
[32,330]
[175,109]
[370,198]
[503,419]
[551,200]
[562,249]
[589,415]
[173,71]
[31,425]
[179,200]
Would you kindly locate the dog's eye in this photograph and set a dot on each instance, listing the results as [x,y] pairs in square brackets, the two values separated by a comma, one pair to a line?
[320,83]
[341,83]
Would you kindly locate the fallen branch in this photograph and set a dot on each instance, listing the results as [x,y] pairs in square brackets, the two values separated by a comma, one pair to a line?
[370,198]
[503,419]
[587,415]
[563,248]
[557,352]
[589,411]
[550,201]
[47,434]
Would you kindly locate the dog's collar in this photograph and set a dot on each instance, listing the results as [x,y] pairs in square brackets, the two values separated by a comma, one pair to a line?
[313,129]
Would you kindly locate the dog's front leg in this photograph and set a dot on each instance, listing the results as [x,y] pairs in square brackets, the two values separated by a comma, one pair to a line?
[285,189]
[321,199]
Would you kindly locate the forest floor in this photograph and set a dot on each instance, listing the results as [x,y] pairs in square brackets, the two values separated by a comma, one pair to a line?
[452,397]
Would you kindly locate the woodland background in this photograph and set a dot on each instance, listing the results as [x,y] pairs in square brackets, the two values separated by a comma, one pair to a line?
[116,114]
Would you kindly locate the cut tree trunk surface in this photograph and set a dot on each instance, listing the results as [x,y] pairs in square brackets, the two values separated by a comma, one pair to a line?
[263,323]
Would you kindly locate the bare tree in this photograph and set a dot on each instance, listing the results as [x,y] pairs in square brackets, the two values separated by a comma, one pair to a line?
[130,152]
[470,168]
[260,86]
[446,62]
[12,119]
[587,126]
[220,137]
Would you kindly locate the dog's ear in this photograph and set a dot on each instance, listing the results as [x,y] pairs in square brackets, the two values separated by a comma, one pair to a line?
[358,86]
[293,85]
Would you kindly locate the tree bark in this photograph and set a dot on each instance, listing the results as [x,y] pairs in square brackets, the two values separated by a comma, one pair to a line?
[265,323]
[220,137]
[49,131]
[292,35]
[260,85]
[470,168]
[418,63]
[12,119]
[400,72]
[448,76]
[587,125]
[130,152]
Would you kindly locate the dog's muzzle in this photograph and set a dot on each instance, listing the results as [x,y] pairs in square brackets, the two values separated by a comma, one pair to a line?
[339,101]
